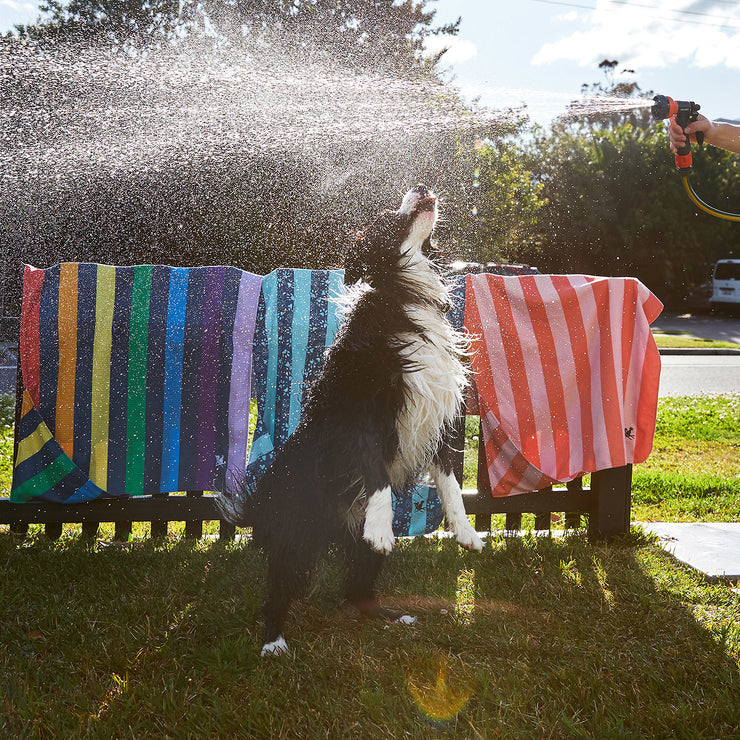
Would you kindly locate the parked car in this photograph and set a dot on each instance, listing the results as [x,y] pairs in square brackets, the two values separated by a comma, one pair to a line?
[726,285]
[493,268]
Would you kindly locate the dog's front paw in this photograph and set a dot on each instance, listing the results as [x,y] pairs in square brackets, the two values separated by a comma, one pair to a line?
[381,540]
[467,537]
[378,530]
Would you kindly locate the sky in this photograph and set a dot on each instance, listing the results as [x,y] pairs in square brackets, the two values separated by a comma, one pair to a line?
[540,52]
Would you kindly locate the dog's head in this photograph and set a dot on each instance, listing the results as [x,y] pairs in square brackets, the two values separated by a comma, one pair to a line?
[394,235]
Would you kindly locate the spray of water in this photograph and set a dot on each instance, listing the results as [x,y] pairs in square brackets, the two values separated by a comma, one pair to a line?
[69,109]
[244,154]
[592,105]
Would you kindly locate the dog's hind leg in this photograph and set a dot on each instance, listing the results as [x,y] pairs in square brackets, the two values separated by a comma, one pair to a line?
[287,575]
[363,568]
[451,496]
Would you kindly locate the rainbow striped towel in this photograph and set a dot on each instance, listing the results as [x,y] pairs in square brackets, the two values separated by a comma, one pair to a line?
[136,380]
[567,375]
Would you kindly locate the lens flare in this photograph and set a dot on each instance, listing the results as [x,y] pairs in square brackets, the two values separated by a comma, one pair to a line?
[443,695]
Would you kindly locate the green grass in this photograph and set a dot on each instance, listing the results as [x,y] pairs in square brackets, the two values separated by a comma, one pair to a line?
[7,411]
[693,473]
[533,638]
[684,340]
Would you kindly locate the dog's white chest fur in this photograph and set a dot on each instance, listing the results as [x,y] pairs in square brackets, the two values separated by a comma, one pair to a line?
[434,393]
[437,379]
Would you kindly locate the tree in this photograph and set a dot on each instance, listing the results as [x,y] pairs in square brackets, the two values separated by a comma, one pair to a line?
[493,202]
[615,206]
[378,34]
[240,131]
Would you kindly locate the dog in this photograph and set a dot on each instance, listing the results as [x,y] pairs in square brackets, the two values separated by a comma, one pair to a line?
[379,415]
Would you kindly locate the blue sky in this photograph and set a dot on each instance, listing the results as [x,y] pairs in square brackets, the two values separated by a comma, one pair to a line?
[540,52]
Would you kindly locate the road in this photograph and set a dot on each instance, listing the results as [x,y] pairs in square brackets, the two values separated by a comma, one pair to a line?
[691,375]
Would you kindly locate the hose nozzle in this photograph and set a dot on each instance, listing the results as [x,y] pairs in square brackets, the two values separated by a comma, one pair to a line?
[685,112]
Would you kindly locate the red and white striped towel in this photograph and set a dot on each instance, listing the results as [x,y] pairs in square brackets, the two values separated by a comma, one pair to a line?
[567,375]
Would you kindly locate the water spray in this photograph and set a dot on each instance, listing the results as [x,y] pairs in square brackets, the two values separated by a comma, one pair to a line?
[686,112]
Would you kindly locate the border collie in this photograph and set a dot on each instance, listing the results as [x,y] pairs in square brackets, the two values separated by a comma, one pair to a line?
[378,416]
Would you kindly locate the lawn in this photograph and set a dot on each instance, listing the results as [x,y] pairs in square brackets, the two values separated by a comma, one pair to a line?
[535,637]
[693,473]
[684,340]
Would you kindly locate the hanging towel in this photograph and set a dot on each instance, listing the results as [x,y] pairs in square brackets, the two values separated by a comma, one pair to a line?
[297,320]
[567,375]
[136,380]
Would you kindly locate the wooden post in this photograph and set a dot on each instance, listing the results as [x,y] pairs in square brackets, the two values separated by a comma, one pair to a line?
[612,492]
[158,527]
[193,527]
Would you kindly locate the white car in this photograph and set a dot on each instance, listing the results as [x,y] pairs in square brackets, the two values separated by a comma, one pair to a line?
[726,285]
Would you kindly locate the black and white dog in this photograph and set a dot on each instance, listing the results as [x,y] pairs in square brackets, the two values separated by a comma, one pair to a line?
[376,418]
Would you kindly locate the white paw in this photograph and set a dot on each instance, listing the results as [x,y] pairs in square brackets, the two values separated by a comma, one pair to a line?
[380,541]
[467,537]
[406,619]
[378,529]
[277,647]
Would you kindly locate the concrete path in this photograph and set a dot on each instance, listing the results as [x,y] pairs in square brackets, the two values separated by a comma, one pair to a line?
[712,548]
[708,326]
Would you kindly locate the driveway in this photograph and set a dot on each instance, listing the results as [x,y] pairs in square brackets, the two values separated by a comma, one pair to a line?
[709,326]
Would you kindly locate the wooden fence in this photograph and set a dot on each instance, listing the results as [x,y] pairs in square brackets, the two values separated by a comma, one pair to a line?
[605,504]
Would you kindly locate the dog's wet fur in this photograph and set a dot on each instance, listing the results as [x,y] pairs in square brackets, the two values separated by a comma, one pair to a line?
[379,415]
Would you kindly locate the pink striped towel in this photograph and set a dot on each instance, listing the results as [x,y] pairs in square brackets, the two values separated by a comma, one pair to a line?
[567,375]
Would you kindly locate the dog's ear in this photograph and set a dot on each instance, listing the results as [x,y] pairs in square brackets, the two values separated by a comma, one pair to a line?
[355,259]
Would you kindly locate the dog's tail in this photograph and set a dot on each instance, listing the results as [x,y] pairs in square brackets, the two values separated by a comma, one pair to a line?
[236,505]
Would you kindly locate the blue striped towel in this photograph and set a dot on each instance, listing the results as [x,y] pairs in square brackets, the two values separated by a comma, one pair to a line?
[297,319]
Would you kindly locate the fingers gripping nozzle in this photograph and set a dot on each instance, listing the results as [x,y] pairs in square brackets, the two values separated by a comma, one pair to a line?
[685,112]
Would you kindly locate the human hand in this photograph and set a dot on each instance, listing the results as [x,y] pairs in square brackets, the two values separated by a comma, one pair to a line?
[677,136]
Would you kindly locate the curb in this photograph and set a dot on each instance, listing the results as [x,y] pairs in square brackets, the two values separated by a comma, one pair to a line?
[698,351]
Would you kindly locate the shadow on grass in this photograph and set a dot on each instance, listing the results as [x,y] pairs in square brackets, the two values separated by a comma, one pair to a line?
[532,638]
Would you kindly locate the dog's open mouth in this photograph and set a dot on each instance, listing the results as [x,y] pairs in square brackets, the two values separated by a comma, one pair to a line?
[427,204]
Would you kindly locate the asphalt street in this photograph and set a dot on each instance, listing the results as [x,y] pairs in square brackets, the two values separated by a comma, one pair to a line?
[692,375]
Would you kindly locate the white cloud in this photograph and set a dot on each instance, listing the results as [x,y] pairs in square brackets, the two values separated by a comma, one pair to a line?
[458,50]
[19,7]
[668,33]
[567,17]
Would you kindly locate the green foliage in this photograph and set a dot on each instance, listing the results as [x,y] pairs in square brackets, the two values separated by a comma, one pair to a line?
[492,211]
[615,206]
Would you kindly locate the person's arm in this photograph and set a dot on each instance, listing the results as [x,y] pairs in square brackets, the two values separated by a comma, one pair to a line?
[719,134]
